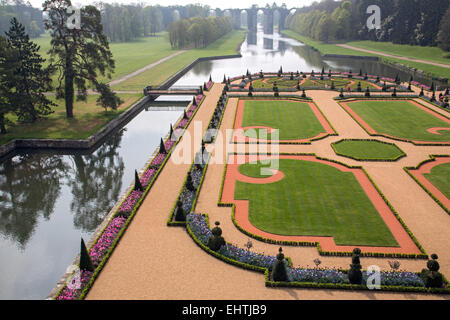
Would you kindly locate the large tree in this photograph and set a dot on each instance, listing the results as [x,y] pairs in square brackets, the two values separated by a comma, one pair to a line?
[443,37]
[79,53]
[8,64]
[32,80]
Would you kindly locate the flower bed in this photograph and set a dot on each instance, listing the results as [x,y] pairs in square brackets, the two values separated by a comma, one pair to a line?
[188,197]
[216,120]
[109,237]
[401,281]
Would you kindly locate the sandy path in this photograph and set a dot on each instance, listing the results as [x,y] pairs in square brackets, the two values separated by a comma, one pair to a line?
[394,56]
[153,261]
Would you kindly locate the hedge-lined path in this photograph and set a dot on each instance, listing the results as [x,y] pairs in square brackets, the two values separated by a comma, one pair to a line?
[154,261]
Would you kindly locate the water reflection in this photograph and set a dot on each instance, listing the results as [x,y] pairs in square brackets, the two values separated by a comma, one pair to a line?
[96,183]
[22,203]
[270,51]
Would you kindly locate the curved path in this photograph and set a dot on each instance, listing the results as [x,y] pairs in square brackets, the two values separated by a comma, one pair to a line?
[442,65]
[154,261]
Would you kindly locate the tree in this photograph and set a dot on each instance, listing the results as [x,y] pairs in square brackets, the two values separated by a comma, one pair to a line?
[443,36]
[79,54]
[8,64]
[107,99]
[31,78]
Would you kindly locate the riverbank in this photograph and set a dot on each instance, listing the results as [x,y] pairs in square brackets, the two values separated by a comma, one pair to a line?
[88,122]
[418,53]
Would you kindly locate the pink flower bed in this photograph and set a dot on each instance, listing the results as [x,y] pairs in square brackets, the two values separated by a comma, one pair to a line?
[106,239]
[73,291]
[147,176]
[130,201]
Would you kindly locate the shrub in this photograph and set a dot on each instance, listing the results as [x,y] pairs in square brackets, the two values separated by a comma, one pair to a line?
[216,241]
[355,274]
[431,277]
[85,260]
[279,272]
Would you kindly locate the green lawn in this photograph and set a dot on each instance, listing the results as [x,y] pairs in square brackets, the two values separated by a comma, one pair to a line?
[439,177]
[400,119]
[367,150]
[415,52]
[295,120]
[433,54]
[88,119]
[226,45]
[339,83]
[269,83]
[314,199]
[128,56]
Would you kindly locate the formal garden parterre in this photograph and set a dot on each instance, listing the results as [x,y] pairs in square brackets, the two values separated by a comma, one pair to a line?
[308,196]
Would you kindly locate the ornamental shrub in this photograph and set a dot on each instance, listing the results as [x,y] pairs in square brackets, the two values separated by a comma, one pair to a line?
[85,260]
[341,94]
[216,241]
[394,94]
[367,94]
[189,184]
[355,274]
[421,94]
[332,85]
[304,94]
[137,182]
[431,277]
[279,272]
[359,87]
[179,212]
[162,148]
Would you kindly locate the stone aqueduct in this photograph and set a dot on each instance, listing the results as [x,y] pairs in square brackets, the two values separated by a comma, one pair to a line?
[271,13]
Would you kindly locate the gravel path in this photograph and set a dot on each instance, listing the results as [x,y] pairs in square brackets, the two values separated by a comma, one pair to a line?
[153,261]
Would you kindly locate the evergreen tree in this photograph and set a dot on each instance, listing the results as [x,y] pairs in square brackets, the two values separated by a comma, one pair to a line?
[107,99]
[8,64]
[79,54]
[443,37]
[31,78]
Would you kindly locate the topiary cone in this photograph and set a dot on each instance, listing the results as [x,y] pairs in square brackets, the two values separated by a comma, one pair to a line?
[85,259]
[137,182]
[162,148]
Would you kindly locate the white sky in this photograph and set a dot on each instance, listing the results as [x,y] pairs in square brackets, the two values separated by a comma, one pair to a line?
[227,4]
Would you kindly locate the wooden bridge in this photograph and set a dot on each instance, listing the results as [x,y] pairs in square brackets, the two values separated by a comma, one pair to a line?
[174,90]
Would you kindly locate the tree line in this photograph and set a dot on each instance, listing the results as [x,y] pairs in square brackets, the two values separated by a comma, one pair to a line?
[29,17]
[77,57]
[122,23]
[198,31]
[413,22]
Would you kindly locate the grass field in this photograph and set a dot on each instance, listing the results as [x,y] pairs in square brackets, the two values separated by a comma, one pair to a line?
[226,45]
[400,119]
[339,83]
[295,120]
[88,119]
[439,177]
[432,54]
[416,52]
[367,150]
[269,83]
[314,199]
[128,56]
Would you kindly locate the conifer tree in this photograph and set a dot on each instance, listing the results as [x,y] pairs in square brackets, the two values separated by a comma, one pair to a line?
[8,64]
[32,80]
